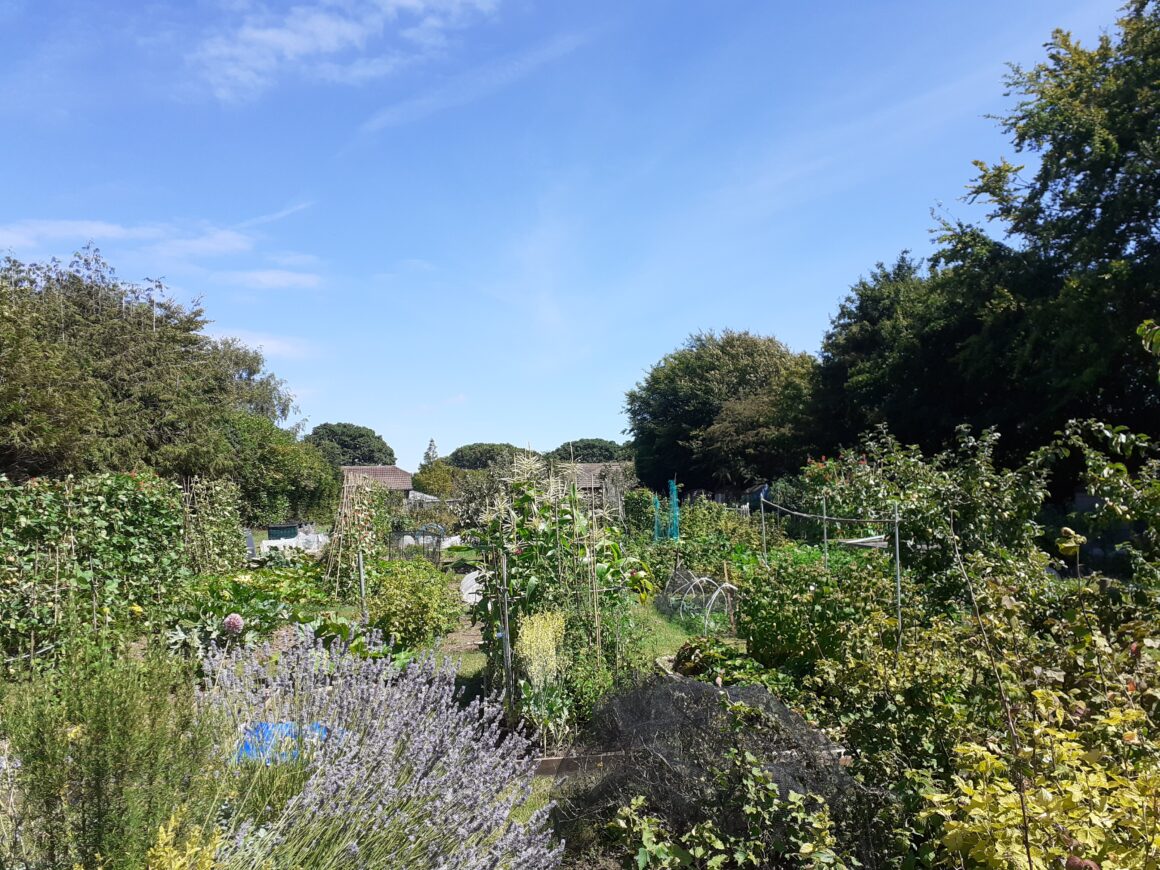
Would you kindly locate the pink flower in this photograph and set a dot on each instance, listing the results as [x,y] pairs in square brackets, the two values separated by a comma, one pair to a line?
[233,624]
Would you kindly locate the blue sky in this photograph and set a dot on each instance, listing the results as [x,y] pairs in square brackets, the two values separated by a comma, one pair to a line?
[483,220]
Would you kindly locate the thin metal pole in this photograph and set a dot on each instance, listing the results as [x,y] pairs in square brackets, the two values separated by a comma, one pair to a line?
[825,536]
[898,578]
[764,548]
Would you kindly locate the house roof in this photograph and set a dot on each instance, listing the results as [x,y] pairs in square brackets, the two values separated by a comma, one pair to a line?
[390,476]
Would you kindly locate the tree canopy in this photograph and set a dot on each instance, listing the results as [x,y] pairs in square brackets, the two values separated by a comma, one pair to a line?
[481,455]
[1025,333]
[99,374]
[722,410]
[350,444]
[435,478]
[589,450]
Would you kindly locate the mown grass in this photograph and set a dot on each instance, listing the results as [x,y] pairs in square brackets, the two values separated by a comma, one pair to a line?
[470,677]
[542,787]
[662,636]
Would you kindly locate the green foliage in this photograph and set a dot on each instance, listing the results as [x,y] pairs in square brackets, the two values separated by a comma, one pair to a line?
[1149,332]
[1010,686]
[348,444]
[266,599]
[1088,115]
[546,549]
[723,409]
[109,743]
[716,661]
[639,511]
[792,832]
[589,450]
[411,602]
[539,651]
[280,477]
[103,374]
[1028,334]
[214,543]
[106,546]
[1083,803]
[802,610]
[713,534]
[365,522]
[436,477]
[871,343]
[480,456]
[994,508]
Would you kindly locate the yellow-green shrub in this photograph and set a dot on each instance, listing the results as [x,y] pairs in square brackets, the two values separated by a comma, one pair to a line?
[410,601]
[1081,802]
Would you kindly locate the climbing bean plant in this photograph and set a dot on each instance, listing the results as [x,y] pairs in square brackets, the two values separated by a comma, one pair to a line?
[545,549]
[101,548]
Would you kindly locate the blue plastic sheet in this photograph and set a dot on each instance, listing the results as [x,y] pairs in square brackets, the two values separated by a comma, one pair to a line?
[276,741]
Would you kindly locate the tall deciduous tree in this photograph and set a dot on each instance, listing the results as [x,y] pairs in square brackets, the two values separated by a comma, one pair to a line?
[350,444]
[435,478]
[722,410]
[481,455]
[1029,332]
[100,374]
[589,450]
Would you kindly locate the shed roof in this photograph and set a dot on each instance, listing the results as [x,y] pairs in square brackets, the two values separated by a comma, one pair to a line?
[390,476]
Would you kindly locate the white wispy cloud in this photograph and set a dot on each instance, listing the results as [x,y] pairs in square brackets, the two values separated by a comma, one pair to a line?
[275,216]
[294,259]
[36,233]
[166,241]
[474,85]
[349,41]
[212,242]
[273,346]
[269,279]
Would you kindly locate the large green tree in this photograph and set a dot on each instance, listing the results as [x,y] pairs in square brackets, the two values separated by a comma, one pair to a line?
[1026,332]
[589,450]
[481,455]
[101,374]
[280,477]
[435,478]
[350,444]
[724,410]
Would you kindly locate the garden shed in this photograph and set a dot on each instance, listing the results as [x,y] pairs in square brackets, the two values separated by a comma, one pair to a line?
[388,476]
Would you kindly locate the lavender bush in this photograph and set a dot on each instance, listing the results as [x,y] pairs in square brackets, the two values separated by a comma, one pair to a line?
[387,768]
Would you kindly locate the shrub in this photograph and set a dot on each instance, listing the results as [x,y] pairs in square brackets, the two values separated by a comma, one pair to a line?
[1082,804]
[411,602]
[802,610]
[995,508]
[639,511]
[394,771]
[791,832]
[102,746]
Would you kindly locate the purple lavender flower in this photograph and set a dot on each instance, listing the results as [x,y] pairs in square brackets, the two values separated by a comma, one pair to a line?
[233,624]
[407,775]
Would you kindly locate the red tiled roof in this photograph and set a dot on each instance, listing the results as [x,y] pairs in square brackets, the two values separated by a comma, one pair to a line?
[390,476]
